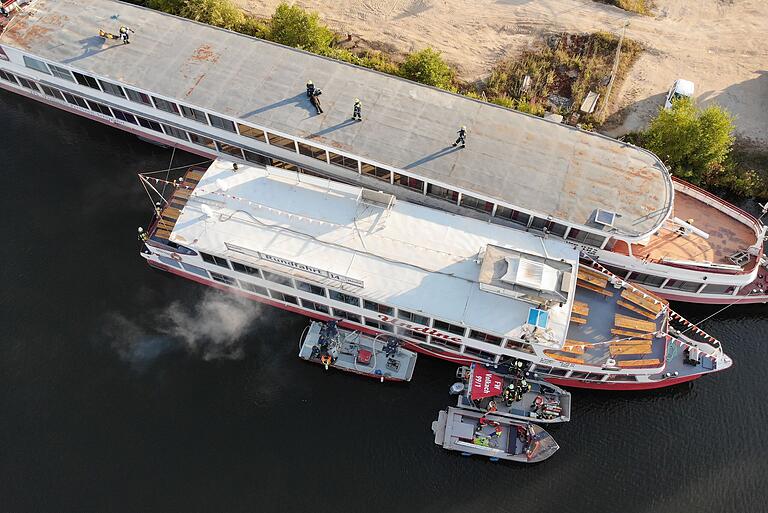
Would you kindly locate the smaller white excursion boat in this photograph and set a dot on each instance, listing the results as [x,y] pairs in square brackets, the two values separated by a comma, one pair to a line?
[499,438]
[511,395]
[380,357]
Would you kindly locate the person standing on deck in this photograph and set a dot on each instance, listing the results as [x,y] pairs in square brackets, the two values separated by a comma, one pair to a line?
[310,89]
[315,100]
[356,112]
[462,139]
[124,34]
[4,11]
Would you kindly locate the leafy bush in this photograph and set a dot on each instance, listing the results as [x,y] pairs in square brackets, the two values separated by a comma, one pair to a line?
[293,26]
[428,67]
[219,13]
[693,142]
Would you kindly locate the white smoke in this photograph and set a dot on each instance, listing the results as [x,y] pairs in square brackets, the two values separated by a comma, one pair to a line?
[212,329]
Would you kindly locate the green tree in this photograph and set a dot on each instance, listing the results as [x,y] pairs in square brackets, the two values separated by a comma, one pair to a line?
[219,13]
[428,67]
[293,26]
[693,142]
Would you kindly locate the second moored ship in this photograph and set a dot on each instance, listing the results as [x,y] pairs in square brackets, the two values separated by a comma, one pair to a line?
[449,286]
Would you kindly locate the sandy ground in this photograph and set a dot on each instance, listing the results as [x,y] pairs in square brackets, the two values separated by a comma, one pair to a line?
[718,44]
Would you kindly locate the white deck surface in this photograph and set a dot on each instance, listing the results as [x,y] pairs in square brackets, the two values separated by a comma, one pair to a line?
[411,257]
[538,165]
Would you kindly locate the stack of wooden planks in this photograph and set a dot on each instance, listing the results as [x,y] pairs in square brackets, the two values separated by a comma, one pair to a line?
[579,308]
[644,303]
[651,362]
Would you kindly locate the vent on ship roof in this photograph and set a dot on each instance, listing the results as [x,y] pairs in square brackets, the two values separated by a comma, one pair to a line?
[605,217]
[530,273]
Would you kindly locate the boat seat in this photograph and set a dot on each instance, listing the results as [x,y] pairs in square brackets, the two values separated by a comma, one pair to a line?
[624,321]
[578,320]
[594,288]
[637,310]
[630,349]
[652,362]
[641,301]
[595,279]
[581,308]
[628,333]
[563,358]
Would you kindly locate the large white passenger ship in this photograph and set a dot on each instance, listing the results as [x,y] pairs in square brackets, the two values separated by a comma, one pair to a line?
[449,286]
[221,94]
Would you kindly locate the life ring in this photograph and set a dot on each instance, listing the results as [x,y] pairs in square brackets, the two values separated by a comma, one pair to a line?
[176,256]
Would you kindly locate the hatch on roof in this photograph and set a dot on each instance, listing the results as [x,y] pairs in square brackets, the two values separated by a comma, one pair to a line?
[525,276]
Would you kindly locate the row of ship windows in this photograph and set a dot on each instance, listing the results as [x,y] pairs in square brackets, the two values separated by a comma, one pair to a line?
[349,299]
[337,296]
[669,283]
[587,376]
[512,216]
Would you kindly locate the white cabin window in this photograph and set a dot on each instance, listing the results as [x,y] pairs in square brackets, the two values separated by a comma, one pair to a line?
[384,326]
[230,149]
[252,287]
[450,328]
[175,132]
[113,89]
[311,288]
[278,278]
[212,259]
[246,269]
[344,298]
[279,296]
[194,269]
[36,65]
[378,307]
[202,140]
[148,123]
[197,115]
[138,97]
[52,92]
[166,106]
[222,123]
[484,337]
[340,160]
[28,84]
[8,77]
[341,314]
[409,182]
[251,132]
[314,306]
[76,100]
[221,278]
[62,73]
[100,108]
[125,116]
[86,80]
[413,317]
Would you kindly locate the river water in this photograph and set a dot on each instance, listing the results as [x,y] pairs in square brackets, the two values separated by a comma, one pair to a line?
[123,389]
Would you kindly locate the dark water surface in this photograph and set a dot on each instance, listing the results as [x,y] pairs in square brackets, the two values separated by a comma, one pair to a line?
[123,389]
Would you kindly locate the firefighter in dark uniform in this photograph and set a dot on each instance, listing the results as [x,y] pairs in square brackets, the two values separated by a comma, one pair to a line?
[356,113]
[462,139]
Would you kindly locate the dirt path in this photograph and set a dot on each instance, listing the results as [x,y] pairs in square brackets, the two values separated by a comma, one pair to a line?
[718,44]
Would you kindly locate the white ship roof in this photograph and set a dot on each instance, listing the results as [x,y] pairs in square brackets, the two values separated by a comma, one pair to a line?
[522,160]
[408,256]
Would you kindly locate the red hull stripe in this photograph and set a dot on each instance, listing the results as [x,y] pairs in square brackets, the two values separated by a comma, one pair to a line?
[619,385]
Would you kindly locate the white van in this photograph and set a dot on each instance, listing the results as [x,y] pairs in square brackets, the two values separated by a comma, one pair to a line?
[680,89]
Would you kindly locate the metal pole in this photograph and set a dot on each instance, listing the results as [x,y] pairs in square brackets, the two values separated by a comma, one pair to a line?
[613,72]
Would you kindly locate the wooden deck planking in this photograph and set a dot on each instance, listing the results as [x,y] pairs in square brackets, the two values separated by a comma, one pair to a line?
[630,349]
[651,362]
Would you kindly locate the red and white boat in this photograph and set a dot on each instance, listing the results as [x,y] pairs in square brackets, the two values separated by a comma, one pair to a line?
[449,286]
[221,94]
